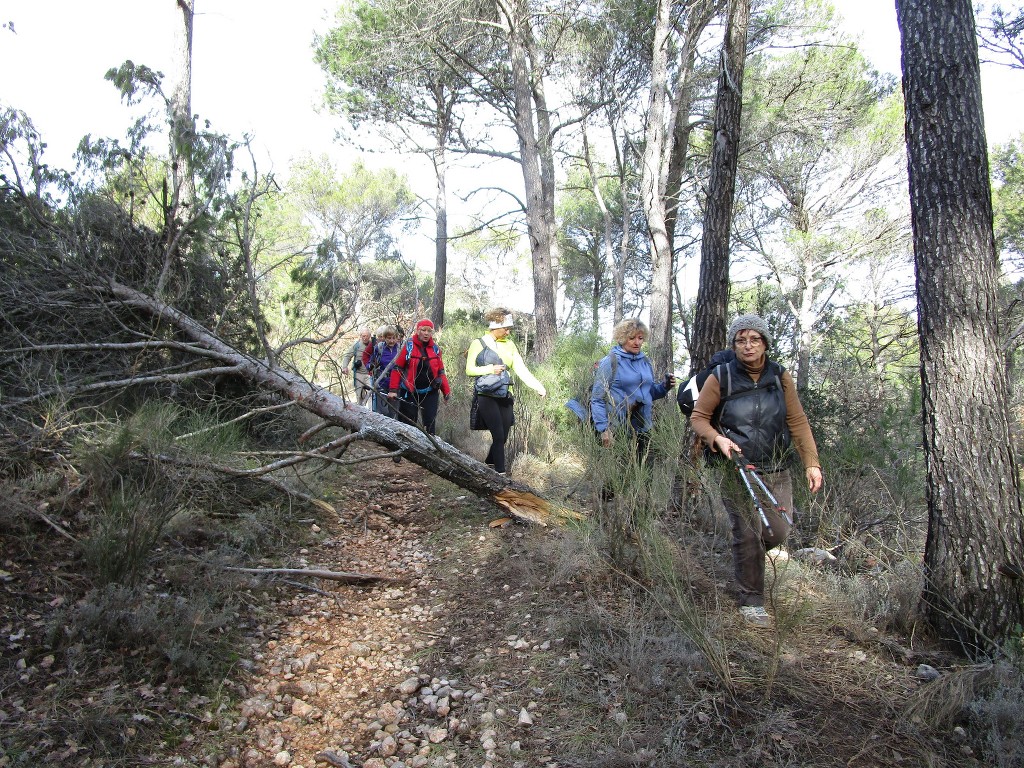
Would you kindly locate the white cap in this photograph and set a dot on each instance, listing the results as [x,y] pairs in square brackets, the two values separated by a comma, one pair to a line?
[506,322]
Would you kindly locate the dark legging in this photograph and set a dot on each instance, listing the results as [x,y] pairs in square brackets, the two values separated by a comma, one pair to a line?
[496,414]
[413,407]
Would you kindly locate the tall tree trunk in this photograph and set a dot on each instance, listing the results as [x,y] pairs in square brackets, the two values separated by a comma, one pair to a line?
[652,190]
[538,176]
[697,19]
[545,139]
[440,229]
[619,264]
[804,323]
[803,306]
[974,591]
[182,128]
[607,240]
[179,199]
[713,289]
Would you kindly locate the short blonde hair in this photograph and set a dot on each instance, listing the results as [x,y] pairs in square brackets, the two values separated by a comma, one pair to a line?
[385,330]
[497,314]
[627,329]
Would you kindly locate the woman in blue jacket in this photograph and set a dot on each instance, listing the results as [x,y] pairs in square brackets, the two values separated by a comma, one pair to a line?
[625,388]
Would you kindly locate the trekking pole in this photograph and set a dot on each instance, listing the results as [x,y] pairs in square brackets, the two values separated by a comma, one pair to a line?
[742,468]
[750,469]
[771,497]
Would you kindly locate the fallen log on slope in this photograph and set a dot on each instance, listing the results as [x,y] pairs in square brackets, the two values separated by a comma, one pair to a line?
[319,573]
[429,452]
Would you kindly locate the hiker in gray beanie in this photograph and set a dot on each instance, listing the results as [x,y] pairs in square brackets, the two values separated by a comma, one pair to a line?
[749,322]
[749,407]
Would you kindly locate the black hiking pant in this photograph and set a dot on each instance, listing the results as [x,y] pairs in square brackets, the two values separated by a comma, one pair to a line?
[497,415]
[416,407]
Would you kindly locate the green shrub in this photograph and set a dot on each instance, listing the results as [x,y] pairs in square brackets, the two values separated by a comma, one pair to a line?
[125,529]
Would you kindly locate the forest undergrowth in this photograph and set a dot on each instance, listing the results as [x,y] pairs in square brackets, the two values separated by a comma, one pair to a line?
[123,627]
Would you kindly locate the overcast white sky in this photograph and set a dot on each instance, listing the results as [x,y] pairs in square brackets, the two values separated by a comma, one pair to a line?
[253,70]
[252,67]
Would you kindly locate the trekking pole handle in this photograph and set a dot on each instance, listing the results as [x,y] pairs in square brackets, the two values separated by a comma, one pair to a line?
[729,454]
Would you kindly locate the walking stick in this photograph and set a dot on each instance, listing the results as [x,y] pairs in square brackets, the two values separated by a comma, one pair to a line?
[742,468]
[767,492]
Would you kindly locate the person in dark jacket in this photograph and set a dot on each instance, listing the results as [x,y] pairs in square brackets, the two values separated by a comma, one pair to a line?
[750,406]
[418,376]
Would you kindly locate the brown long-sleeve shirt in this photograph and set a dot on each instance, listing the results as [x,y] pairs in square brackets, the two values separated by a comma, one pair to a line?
[796,418]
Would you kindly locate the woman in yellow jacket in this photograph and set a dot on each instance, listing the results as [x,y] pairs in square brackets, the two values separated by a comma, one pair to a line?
[491,356]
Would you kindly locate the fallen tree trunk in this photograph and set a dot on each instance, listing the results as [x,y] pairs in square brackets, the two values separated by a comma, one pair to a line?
[345,578]
[429,452]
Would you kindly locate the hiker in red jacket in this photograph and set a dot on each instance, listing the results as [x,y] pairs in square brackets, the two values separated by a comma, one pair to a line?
[417,377]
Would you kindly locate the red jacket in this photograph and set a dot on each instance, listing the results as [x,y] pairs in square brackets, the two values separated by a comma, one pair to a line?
[408,361]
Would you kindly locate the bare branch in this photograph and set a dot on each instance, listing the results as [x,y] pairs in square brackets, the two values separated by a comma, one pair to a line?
[243,417]
[115,384]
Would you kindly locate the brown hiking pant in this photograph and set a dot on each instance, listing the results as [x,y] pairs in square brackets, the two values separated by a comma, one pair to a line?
[750,538]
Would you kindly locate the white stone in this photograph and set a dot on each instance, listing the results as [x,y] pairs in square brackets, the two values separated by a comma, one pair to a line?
[409,687]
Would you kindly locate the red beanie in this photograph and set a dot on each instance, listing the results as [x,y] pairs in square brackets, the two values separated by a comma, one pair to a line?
[424,323]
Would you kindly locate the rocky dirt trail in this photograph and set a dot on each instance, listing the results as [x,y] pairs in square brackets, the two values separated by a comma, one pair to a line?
[432,669]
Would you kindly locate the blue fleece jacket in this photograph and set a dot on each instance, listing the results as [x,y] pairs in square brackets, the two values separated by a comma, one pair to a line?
[633,386]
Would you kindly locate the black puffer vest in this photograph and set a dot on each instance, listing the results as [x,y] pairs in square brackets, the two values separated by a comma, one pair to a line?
[753,415]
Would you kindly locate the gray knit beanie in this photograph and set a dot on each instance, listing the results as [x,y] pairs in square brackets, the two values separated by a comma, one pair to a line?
[749,322]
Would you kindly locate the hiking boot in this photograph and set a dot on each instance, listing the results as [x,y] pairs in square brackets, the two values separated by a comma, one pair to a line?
[396,459]
[756,615]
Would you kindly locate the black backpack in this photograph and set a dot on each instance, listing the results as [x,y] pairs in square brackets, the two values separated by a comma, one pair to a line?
[689,390]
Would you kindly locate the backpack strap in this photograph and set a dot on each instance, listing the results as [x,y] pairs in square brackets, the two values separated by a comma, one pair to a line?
[378,350]
[487,351]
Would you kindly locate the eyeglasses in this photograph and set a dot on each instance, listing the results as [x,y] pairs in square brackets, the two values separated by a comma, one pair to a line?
[749,341]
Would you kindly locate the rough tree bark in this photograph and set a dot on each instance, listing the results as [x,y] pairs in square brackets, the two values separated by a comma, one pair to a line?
[974,591]
[532,125]
[429,452]
[713,290]
[607,238]
[652,184]
[440,231]
[182,128]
